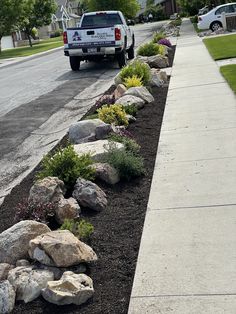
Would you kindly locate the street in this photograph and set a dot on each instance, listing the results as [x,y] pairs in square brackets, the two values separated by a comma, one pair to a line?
[40,99]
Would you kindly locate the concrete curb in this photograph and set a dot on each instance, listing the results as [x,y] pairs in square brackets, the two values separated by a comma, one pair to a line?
[13,61]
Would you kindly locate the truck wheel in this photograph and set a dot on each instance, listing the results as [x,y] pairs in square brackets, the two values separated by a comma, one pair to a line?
[75,63]
[121,58]
[131,51]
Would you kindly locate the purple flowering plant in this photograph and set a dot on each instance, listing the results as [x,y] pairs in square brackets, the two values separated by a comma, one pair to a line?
[165,42]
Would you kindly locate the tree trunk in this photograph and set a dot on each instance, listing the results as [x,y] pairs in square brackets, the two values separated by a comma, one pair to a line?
[30,41]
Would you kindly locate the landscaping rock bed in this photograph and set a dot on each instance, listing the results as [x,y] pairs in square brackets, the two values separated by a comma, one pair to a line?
[117,229]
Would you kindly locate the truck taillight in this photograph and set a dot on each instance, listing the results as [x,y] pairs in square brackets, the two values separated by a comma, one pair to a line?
[117,34]
[65,39]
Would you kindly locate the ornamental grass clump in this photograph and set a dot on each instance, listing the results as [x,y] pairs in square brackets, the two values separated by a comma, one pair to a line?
[81,229]
[114,114]
[140,69]
[125,162]
[150,49]
[158,36]
[130,144]
[67,166]
[133,81]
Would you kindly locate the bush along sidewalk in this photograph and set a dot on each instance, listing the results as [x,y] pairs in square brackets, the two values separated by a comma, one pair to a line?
[52,243]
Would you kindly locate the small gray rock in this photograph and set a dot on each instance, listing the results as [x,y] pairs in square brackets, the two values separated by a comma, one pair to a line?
[89,194]
[7,297]
[128,100]
[22,262]
[102,131]
[106,173]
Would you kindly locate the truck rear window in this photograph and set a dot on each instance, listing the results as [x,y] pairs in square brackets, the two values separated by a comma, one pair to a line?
[101,19]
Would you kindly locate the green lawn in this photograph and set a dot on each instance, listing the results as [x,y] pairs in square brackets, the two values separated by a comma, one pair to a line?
[44,45]
[222,47]
[229,73]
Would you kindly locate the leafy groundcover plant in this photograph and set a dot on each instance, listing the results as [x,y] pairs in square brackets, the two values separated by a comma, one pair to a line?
[140,69]
[67,166]
[81,229]
[114,114]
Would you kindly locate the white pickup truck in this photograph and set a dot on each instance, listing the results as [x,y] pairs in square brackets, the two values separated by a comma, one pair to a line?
[99,35]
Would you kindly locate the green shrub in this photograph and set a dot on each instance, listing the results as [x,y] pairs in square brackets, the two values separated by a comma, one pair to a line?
[177,22]
[127,164]
[150,49]
[113,114]
[67,166]
[158,36]
[131,109]
[133,81]
[130,144]
[140,69]
[81,229]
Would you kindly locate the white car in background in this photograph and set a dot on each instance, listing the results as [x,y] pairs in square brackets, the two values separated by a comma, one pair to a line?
[213,19]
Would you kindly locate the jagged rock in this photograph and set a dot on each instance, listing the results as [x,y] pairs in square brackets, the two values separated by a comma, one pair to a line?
[140,92]
[141,59]
[102,131]
[47,190]
[95,149]
[128,100]
[84,131]
[28,282]
[158,61]
[106,173]
[58,271]
[67,209]
[156,79]
[71,289]
[4,270]
[119,91]
[60,248]
[88,194]
[14,242]
[22,262]
[163,76]
[7,297]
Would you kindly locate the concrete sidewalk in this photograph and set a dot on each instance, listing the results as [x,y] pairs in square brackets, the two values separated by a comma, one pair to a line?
[187,258]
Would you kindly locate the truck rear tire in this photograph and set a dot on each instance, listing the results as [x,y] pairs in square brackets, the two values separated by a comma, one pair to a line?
[75,63]
[121,58]
[131,50]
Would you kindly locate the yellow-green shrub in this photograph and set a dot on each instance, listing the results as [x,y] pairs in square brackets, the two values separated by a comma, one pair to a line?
[133,81]
[141,70]
[114,114]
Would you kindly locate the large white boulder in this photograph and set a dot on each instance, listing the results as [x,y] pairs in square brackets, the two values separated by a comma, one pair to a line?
[70,289]
[128,100]
[95,149]
[7,297]
[140,92]
[14,242]
[60,248]
[84,131]
[89,194]
[29,282]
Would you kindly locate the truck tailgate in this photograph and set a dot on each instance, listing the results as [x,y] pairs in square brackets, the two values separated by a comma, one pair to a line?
[91,37]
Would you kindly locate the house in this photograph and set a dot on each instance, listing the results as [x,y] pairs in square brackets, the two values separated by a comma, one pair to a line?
[169,6]
[67,15]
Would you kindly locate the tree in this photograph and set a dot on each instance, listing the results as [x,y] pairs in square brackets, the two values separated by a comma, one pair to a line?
[37,13]
[157,11]
[10,12]
[128,7]
[192,7]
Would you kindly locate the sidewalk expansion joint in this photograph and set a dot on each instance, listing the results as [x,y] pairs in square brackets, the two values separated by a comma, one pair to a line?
[197,85]
[195,160]
[191,207]
[183,295]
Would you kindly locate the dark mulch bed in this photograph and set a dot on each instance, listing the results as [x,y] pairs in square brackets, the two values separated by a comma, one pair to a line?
[118,229]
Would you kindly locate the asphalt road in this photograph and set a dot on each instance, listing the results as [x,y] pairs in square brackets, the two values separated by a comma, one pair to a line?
[39,99]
